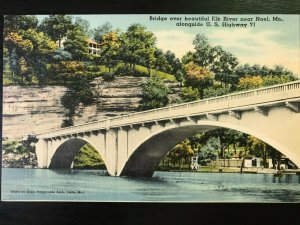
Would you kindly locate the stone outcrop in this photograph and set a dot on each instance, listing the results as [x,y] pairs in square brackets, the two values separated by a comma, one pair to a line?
[25,160]
[34,109]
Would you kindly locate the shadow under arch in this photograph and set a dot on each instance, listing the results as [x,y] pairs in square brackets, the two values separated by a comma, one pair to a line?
[66,152]
[147,155]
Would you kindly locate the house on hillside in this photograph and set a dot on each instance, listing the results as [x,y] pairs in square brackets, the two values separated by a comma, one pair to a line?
[93,46]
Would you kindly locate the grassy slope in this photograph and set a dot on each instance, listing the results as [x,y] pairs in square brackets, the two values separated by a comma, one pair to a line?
[162,75]
[88,158]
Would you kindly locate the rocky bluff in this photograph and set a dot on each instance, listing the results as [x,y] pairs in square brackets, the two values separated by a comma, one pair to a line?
[34,109]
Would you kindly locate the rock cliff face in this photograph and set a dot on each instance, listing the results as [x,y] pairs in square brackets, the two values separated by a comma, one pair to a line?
[25,160]
[28,110]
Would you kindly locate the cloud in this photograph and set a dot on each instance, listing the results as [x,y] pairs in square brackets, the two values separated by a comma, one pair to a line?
[179,42]
[259,47]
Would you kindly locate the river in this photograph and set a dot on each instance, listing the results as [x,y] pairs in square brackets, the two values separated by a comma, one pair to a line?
[95,185]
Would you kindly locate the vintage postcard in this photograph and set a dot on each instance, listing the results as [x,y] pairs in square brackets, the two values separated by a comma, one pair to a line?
[151,108]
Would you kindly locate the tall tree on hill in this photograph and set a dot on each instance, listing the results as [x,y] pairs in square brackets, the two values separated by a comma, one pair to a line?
[198,77]
[15,23]
[56,27]
[18,48]
[84,25]
[138,45]
[110,49]
[213,58]
[100,31]
[161,62]
[76,44]
[42,53]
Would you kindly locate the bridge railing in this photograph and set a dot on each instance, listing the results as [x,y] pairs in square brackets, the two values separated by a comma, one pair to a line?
[199,106]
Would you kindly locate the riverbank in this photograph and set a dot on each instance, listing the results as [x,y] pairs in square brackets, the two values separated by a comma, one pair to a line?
[215,169]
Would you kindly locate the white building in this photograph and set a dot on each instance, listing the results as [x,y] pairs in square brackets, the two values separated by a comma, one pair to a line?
[250,162]
[94,47]
[194,163]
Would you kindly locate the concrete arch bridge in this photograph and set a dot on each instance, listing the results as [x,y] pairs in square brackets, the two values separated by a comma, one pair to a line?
[133,145]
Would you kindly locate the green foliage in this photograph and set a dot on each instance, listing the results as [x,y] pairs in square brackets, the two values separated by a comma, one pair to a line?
[88,158]
[110,49]
[215,91]
[270,80]
[181,154]
[83,25]
[254,70]
[12,146]
[124,70]
[15,23]
[108,76]
[154,94]
[78,93]
[209,151]
[100,31]
[76,44]
[138,46]
[189,94]
[68,122]
[19,147]
[29,51]
[56,27]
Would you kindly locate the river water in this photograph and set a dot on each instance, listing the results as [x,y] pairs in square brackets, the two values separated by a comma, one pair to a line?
[95,185]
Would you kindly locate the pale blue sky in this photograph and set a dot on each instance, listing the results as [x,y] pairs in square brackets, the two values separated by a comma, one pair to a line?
[268,43]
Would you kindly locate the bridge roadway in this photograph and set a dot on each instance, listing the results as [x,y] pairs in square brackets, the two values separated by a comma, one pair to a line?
[133,144]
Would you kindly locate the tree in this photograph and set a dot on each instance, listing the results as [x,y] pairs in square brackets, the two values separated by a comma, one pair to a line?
[223,64]
[110,49]
[154,94]
[215,90]
[41,54]
[61,55]
[275,79]
[138,46]
[161,62]
[18,48]
[279,70]
[56,27]
[198,77]
[187,58]
[100,31]
[83,25]
[76,44]
[202,55]
[209,151]
[247,83]
[15,23]
[189,94]
[183,150]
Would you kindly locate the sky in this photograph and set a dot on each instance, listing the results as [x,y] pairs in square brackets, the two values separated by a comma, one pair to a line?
[266,42]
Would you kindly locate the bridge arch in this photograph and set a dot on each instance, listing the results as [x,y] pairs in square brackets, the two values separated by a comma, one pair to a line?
[147,155]
[65,153]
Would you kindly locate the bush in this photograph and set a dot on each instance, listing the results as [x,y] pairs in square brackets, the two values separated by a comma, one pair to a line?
[154,94]
[123,70]
[108,76]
